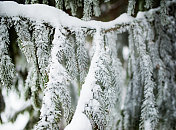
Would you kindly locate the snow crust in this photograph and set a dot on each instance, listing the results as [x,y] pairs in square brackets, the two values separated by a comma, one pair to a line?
[55,16]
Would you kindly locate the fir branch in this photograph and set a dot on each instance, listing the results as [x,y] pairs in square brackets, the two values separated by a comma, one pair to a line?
[7,68]
[42,44]
[82,55]
[148,4]
[56,101]
[149,113]
[131,7]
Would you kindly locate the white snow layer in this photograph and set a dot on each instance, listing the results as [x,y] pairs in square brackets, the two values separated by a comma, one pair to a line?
[55,16]
[147,125]
[81,122]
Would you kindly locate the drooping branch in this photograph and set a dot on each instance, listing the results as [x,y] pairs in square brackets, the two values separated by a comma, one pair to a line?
[56,101]
[7,70]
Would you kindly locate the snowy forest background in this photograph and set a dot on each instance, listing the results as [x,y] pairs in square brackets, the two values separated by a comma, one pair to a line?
[88,64]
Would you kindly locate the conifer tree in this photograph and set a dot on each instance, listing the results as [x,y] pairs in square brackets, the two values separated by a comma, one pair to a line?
[74,74]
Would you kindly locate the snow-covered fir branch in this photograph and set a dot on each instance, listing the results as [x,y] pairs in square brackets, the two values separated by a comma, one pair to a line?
[131,7]
[56,100]
[82,55]
[7,69]
[41,38]
[149,112]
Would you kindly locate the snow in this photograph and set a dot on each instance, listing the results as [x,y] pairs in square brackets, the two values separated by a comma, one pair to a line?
[79,123]
[55,16]
[147,125]
[141,15]
[125,52]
